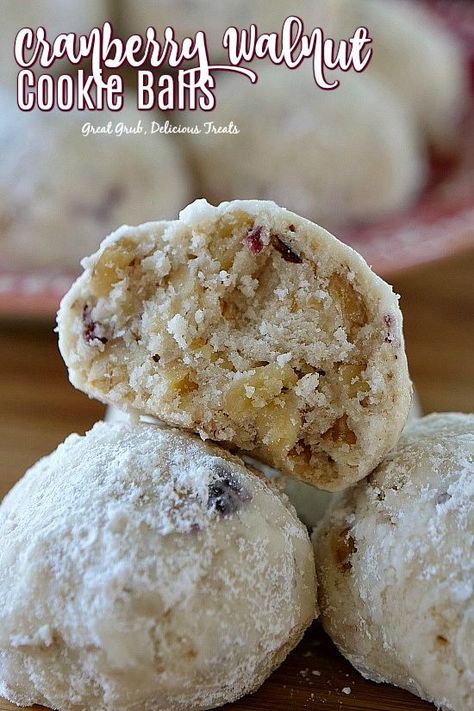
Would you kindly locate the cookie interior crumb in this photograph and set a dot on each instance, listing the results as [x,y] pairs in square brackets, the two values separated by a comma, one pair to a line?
[254,332]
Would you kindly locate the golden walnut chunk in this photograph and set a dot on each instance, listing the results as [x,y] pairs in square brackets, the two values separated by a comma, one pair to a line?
[111,266]
[340,432]
[184,283]
[262,396]
[227,241]
[351,376]
[179,380]
[257,388]
[279,426]
[351,305]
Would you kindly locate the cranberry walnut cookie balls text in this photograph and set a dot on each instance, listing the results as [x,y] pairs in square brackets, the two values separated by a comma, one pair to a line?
[250,326]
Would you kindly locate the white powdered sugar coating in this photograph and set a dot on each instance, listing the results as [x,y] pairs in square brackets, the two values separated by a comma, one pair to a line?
[143,569]
[394,560]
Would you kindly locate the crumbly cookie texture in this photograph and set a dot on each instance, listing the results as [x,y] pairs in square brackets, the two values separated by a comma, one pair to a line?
[251,326]
[142,569]
[395,566]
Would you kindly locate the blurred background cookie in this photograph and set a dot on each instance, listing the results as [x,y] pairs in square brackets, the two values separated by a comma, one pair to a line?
[335,157]
[418,59]
[55,16]
[189,16]
[60,190]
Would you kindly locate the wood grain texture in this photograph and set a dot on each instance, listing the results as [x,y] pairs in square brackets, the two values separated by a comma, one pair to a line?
[39,408]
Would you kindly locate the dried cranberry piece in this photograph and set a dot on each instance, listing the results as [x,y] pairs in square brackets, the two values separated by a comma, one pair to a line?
[226,493]
[388,321]
[285,251]
[93,330]
[254,240]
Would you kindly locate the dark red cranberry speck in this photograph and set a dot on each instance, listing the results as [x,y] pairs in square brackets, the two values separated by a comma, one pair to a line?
[226,493]
[286,253]
[254,241]
[388,321]
[93,331]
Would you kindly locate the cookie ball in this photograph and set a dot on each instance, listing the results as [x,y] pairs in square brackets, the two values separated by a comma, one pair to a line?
[188,17]
[142,569]
[395,566]
[418,58]
[336,157]
[250,326]
[55,16]
[60,189]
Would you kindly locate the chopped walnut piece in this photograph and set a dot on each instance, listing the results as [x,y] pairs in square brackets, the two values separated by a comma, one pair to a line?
[229,310]
[351,375]
[340,432]
[257,388]
[179,380]
[111,266]
[343,548]
[302,449]
[353,310]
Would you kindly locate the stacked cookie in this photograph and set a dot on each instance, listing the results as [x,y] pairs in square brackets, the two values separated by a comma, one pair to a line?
[164,573]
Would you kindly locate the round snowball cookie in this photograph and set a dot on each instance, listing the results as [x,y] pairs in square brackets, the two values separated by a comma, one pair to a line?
[337,157]
[55,16]
[60,188]
[143,569]
[251,326]
[420,60]
[187,18]
[395,566]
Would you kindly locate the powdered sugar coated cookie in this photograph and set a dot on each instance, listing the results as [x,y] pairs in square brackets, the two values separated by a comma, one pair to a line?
[394,561]
[143,569]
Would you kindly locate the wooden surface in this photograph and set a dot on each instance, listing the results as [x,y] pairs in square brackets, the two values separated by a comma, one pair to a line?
[39,408]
